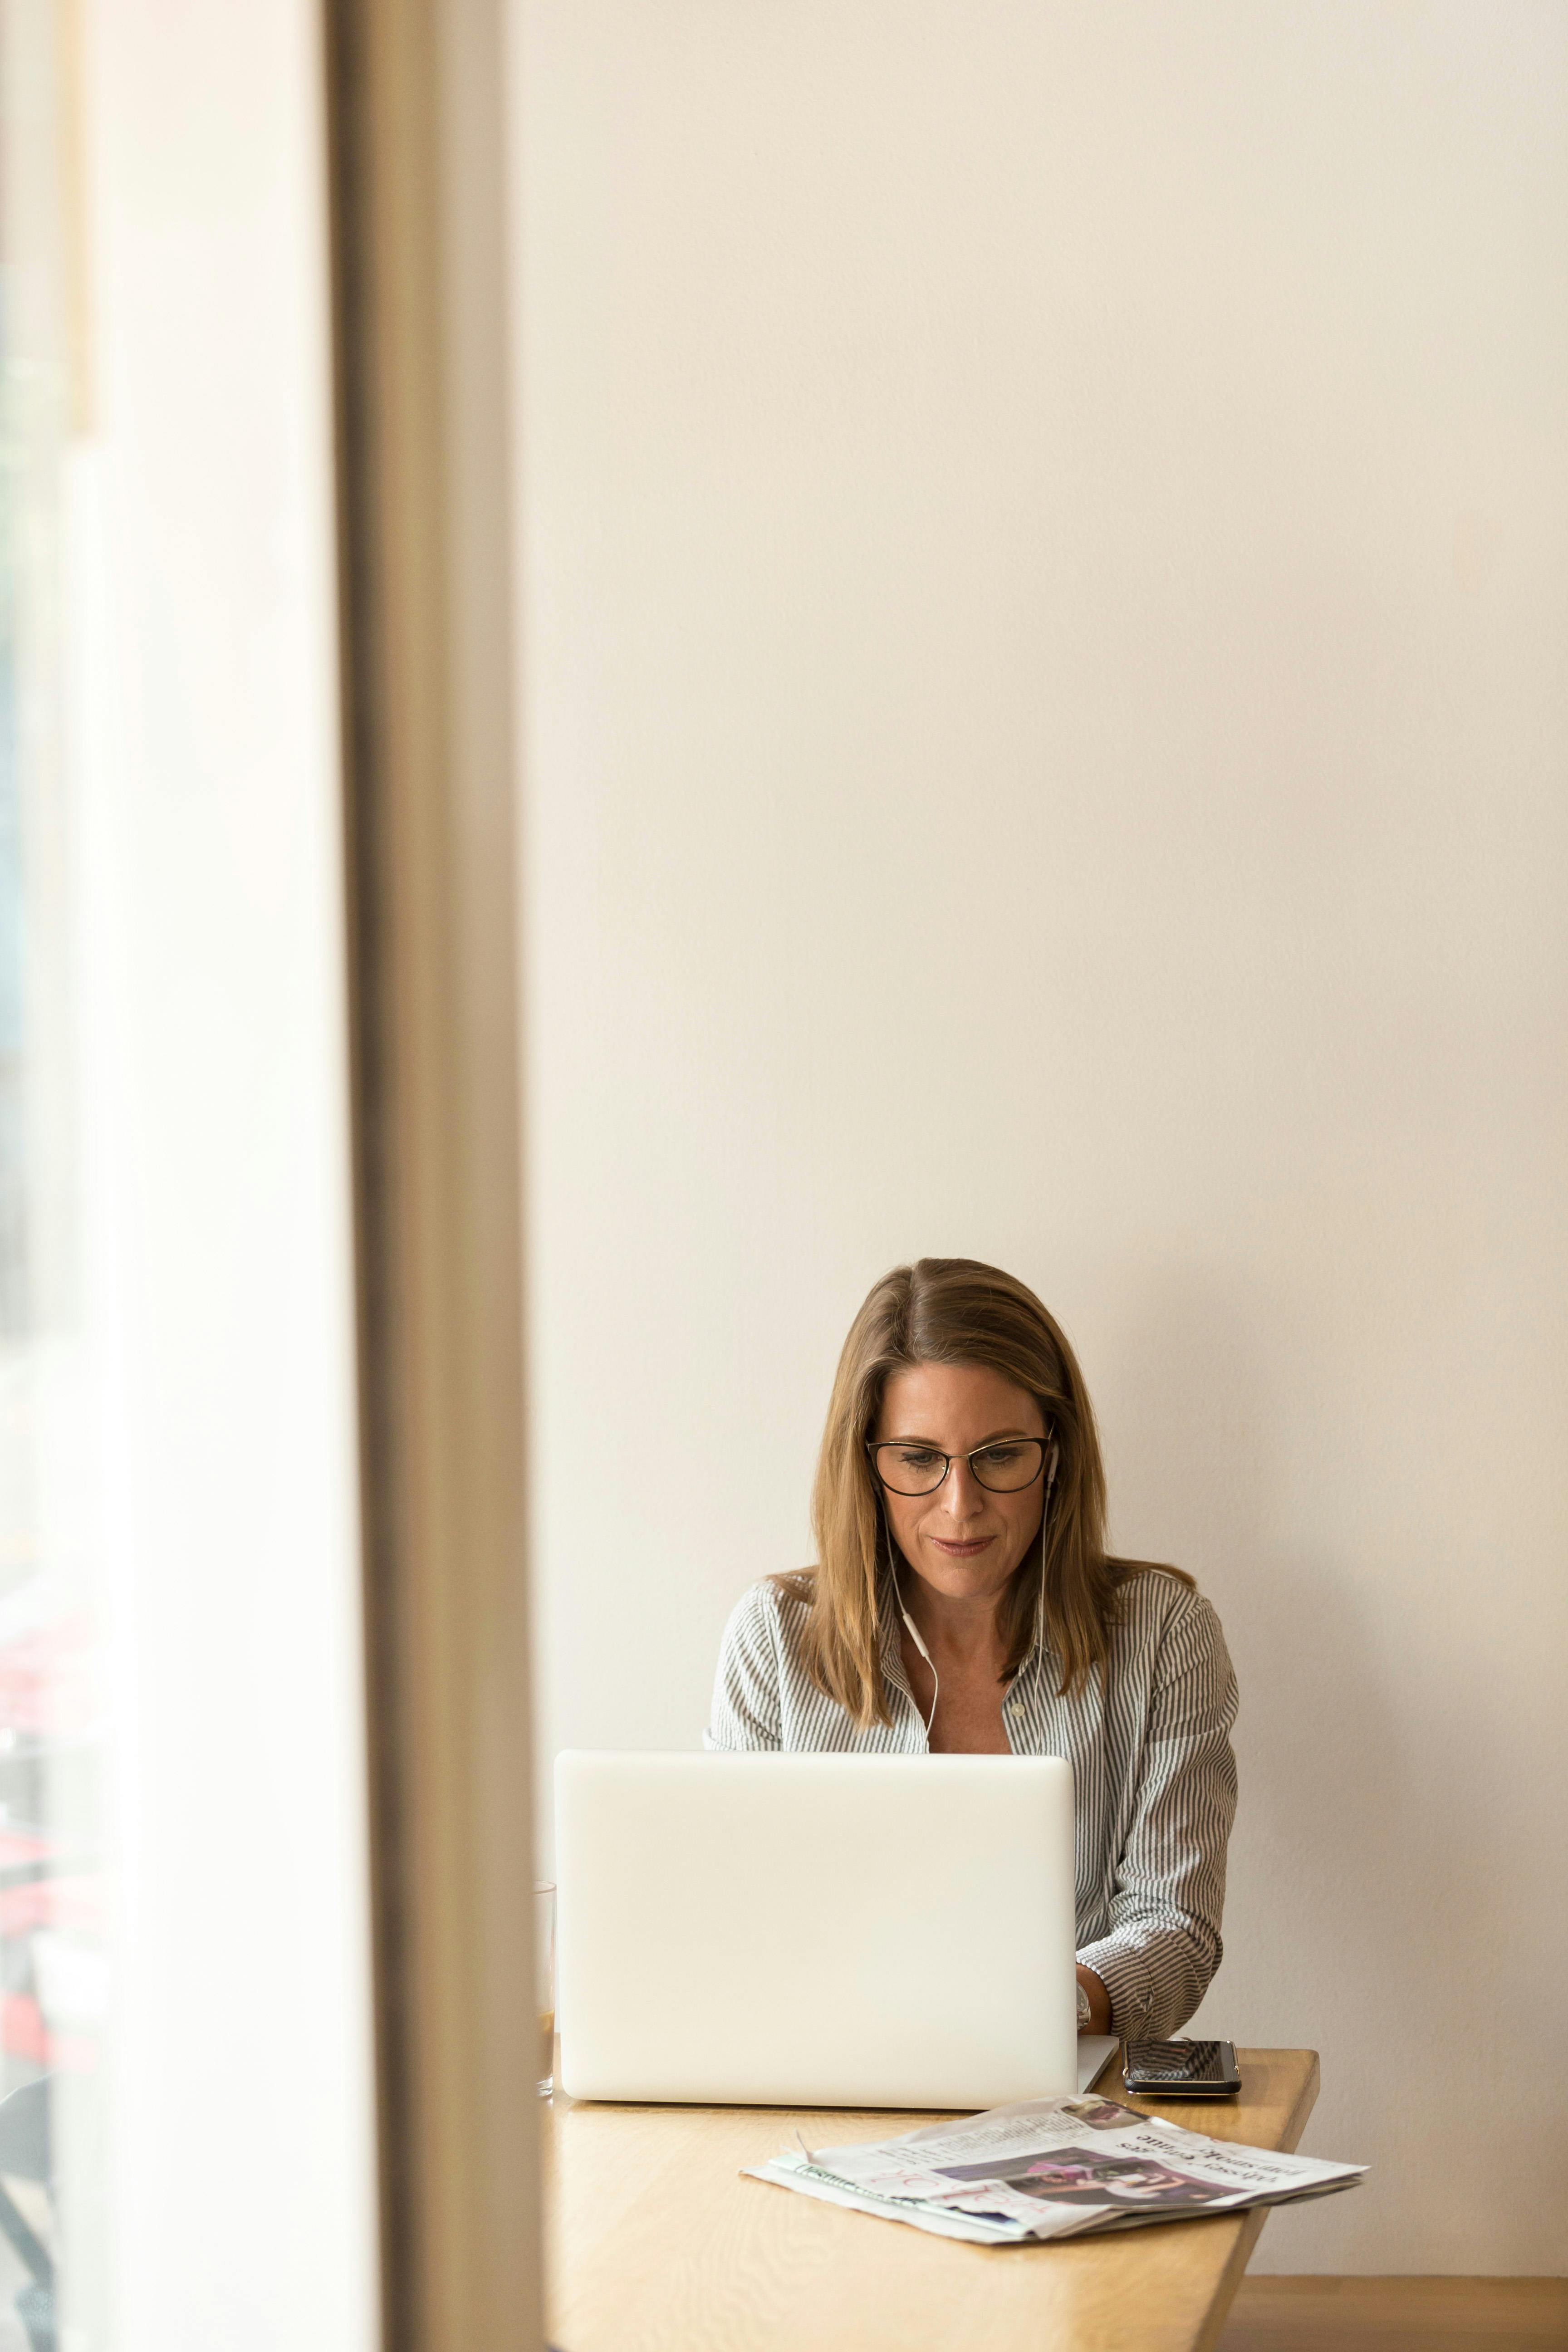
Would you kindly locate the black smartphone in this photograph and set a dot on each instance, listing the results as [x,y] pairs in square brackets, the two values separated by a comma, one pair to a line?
[1182,2070]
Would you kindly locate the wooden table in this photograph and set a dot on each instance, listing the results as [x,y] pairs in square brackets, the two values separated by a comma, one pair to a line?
[658,2244]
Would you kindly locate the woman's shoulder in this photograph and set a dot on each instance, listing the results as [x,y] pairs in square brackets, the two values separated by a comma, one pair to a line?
[772,1611]
[758,1668]
[1158,1605]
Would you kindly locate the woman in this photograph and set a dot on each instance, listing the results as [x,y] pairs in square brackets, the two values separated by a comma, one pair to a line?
[963,1602]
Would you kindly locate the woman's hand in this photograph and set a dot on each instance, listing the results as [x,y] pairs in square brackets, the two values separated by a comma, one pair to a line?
[1098,2002]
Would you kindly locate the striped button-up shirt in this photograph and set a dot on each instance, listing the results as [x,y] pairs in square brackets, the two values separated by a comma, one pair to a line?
[1154,1772]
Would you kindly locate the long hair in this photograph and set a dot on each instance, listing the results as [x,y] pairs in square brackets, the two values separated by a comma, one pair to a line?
[952,1310]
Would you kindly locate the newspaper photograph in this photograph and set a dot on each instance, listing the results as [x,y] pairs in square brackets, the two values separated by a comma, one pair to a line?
[1052,2169]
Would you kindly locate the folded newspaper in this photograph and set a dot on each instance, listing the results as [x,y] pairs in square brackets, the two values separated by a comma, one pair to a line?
[1052,2169]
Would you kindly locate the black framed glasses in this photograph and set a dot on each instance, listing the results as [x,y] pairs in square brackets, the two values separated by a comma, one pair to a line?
[1006,1466]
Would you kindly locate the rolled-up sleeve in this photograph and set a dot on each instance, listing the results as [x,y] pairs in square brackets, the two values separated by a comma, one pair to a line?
[1162,1943]
[747,1711]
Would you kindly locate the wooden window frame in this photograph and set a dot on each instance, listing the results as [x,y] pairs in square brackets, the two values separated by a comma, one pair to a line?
[415,98]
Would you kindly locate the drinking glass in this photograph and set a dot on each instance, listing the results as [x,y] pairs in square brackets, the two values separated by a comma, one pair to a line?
[544,1982]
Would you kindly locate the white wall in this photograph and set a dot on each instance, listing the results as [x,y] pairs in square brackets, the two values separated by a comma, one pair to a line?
[214,1187]
[1047,532]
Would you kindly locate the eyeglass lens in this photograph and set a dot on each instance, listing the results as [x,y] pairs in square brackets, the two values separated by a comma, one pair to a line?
[1005,1468]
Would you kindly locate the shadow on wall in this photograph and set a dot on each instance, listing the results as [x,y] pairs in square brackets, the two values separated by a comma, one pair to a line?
[1368,1884]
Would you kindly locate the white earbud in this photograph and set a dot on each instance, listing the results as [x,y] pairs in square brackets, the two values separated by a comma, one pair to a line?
[915,1634]
[915,1638]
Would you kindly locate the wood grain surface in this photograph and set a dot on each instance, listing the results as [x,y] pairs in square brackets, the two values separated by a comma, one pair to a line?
[1398,2315]
[656,2243]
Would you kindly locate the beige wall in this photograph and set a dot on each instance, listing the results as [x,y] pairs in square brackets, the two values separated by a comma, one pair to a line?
[1047,541]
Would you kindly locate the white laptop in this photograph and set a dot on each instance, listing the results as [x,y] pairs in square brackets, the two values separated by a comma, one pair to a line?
[865,1931]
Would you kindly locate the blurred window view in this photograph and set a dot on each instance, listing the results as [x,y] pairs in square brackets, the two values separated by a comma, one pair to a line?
[52,1726]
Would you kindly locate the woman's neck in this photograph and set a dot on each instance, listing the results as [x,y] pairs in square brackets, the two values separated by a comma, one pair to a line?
[965,1630]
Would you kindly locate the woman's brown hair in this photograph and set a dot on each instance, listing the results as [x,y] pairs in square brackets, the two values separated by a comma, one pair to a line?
[952,1310]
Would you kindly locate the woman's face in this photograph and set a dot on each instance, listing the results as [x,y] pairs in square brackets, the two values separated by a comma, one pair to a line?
[964,1540]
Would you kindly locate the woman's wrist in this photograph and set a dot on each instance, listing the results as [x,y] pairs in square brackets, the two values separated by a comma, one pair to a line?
[1099,2018]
